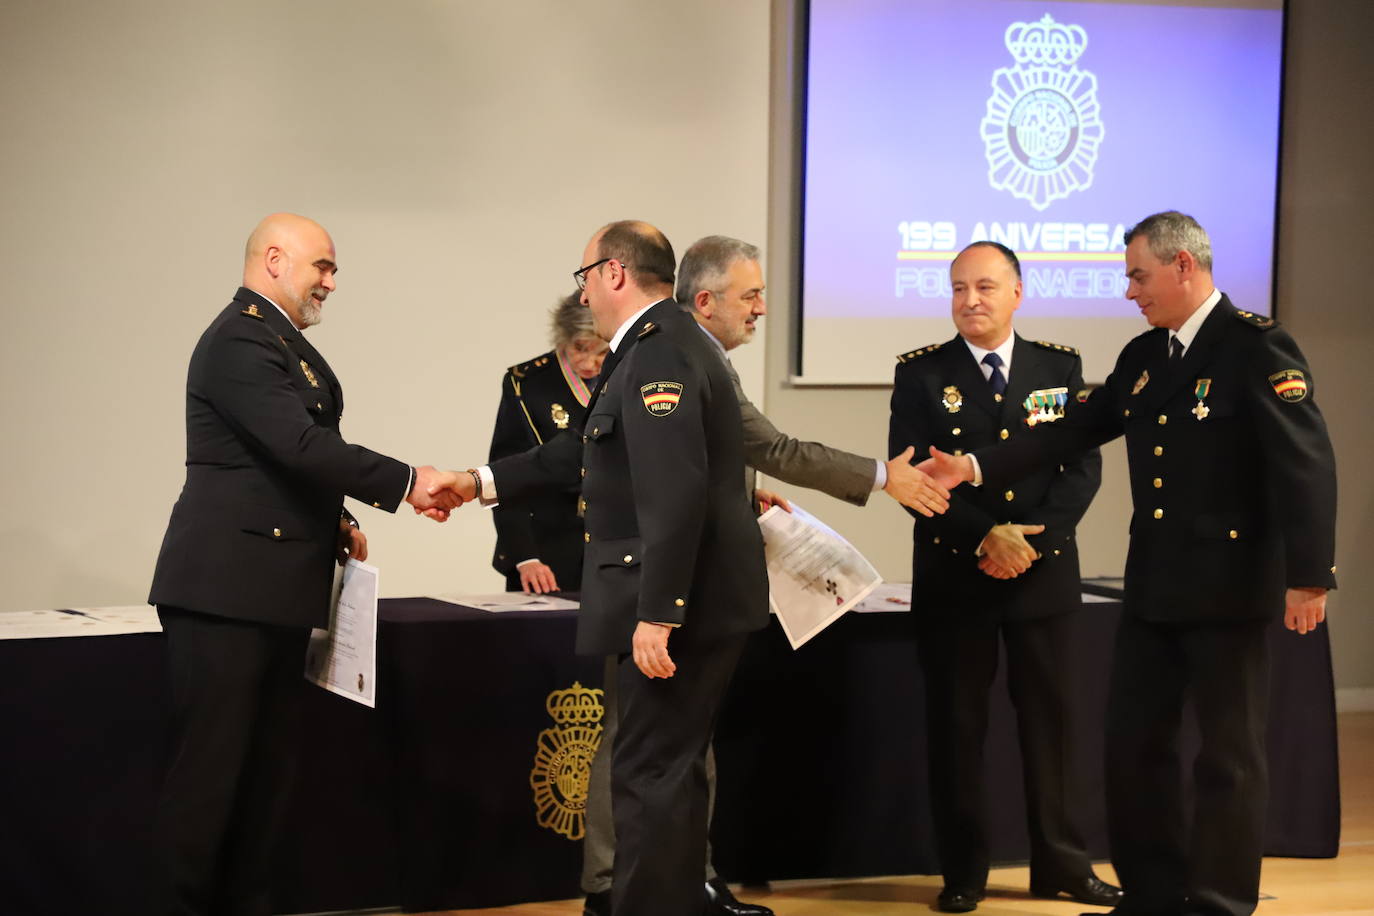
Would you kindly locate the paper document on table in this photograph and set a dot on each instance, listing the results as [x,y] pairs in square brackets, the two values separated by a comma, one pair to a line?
[87,621]
[343,659]
[511,601]
[814,575]
[886,598]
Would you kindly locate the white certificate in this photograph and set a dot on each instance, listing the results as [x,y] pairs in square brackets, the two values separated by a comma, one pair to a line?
[343,659]
[814,575]
[497,602]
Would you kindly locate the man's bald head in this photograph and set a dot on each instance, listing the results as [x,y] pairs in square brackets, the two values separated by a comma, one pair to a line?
[290,260]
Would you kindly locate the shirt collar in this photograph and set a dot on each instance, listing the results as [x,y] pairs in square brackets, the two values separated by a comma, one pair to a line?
[1189,328]
[711,337]
[629,322]
[1003,351]
[280,309]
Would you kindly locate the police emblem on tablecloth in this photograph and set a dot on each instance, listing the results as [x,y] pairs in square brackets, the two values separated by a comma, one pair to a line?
[1290,384]
[1045,405]
[661,398]
[563,759]
[559,414]
[1043,125]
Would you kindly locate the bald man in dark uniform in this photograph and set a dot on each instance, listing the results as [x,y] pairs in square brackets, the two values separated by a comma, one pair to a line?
[245,566]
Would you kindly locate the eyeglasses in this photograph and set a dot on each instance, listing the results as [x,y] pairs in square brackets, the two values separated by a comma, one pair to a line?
[580,275]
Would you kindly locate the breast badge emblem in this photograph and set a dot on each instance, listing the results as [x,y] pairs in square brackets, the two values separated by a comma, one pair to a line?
[953,400]
[559,415]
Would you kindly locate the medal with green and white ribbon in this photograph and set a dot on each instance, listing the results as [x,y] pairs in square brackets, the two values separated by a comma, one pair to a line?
[1203,386]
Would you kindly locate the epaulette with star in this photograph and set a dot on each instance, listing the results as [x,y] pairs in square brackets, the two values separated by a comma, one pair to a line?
[914,354]
[529,367]
[1058,348]
[1256,321]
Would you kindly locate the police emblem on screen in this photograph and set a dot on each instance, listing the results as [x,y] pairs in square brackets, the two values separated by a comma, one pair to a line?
[1043,124]
[563,760]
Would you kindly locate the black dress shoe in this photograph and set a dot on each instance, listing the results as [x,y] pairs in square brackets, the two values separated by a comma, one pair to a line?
[598,904]
[955,901]
[719,900]
[1090,890]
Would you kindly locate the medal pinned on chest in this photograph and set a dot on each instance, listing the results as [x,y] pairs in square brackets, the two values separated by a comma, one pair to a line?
[1141,382]
[309,374]
[1204,385]
[1045,405]
[559,414]
[953,400]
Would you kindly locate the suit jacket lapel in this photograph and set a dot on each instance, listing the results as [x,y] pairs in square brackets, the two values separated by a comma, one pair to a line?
[1161,379]
[1025,358]
[295,343]
[1199,352]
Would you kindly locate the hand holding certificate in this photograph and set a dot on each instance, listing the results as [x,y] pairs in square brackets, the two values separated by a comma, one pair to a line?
[343,659]
[814,574]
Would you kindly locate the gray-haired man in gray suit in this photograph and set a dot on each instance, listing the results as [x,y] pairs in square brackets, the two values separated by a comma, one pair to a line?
[720,282]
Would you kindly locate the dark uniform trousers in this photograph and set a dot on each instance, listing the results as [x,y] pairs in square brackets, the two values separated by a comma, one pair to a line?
[1234,494]
[1167,863]
[244,572]
[959,663]
[659,758]
[670,538]
[230,779]
[963,616]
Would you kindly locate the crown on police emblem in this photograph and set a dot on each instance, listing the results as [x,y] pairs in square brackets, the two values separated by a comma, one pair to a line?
[577,705]
[563,759]
[1046,42]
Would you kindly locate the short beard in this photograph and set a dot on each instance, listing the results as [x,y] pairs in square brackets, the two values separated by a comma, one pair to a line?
[310,309]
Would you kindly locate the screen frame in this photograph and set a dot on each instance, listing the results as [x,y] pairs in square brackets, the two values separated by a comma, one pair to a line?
[797,63]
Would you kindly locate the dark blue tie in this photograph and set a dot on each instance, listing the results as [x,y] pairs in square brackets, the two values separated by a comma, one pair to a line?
[997,380]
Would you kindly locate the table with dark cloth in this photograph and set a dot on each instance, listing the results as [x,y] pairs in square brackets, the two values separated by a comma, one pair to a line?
[426,802]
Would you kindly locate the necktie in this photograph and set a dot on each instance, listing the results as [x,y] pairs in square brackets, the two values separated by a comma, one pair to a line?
[997,380]
[1175,349]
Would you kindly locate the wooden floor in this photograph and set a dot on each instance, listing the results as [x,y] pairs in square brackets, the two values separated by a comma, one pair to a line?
[1291,887]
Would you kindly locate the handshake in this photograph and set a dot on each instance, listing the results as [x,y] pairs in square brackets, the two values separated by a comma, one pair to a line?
[436,493]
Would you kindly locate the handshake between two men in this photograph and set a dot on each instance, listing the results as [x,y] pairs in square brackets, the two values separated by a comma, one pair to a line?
[924,488]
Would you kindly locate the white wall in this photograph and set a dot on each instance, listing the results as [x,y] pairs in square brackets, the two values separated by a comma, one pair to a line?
[460,153]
